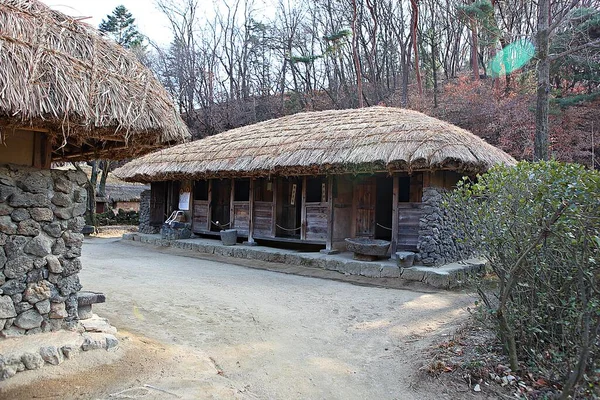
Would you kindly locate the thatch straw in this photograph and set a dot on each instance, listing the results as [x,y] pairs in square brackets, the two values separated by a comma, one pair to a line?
[94,98]
[336,141]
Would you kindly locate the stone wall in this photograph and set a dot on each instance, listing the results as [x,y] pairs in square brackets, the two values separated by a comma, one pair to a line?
[145,226]
[439,242]
[40,220]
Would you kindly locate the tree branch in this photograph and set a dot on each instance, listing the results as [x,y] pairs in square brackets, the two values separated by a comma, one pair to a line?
[595,43]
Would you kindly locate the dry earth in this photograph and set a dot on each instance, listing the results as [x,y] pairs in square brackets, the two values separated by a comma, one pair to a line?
[196,328]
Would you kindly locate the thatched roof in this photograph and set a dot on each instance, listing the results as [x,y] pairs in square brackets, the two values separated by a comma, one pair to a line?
[124,192]
[336,141]
[93,98]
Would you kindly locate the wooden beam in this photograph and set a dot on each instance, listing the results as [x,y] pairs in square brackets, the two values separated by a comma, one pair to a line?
[231,209]
[395,216]
[209,212]
[251,213]
[274,219]
[330,209]
[303,210]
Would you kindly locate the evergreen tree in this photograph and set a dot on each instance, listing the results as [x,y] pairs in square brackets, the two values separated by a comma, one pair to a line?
[120,25]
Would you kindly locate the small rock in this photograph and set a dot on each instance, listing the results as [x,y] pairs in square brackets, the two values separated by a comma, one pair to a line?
[58,310]
[61,200]
[54,229]
[19,214]
[51,355]
[13,287]
[34,331]
[477,388]
[40,246]
[7,307]
[42,214]
[84,312]
[93,342]
[97,324]
[22,307]
[111,342]
[43,306]
[54,264]
[18,267]
[6,372]
[69,351]
[37,292]
[12,331]
[29,319]
[32,360]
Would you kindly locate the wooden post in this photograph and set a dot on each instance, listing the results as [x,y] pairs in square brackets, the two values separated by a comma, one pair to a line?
[231,209]
[395,216]
[251,213]
[209,212]
[274,219]
[303,211]
[329,239]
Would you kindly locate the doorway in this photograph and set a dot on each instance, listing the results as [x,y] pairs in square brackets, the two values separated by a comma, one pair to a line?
[383,208]
[220,204]
[289,218]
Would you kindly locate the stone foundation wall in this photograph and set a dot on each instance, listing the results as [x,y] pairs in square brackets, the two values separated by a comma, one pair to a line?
[439,242]
[145,226]
[40,220]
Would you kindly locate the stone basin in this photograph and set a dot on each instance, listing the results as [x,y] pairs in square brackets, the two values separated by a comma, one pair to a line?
[366,249]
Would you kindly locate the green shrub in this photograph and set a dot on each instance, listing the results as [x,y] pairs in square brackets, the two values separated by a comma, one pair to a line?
[539,226]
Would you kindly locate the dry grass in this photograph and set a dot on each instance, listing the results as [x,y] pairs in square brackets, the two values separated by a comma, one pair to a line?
[334,141]
[94,98]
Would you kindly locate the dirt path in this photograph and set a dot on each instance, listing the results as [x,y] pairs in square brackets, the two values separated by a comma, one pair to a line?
[227,331]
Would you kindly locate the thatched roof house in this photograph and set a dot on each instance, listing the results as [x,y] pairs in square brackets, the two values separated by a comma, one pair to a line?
[320,177]
[66,94]
[91,97]
[335,141]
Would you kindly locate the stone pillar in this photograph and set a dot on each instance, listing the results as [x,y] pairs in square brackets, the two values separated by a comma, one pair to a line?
[438,240]
[41,216]
[145,226]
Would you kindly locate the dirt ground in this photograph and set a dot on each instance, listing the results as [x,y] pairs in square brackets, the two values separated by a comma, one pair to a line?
[194,328]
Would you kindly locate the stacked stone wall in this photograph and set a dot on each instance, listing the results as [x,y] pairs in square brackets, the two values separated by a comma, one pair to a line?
[145,226]
[439,242]
[41,216]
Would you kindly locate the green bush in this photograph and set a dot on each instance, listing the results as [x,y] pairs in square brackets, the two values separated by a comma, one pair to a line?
[538,224]
[120,218]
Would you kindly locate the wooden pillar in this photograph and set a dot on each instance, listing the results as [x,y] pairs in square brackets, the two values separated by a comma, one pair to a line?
[395,216]
[329,239]
[209,219]
[251,213]
[303,211]
[231,209]
[274,219]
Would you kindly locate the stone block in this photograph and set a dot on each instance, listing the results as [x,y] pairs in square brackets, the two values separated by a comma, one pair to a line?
[413,274]
[71,266]
[89,298]
[93,341]
[43,306]
[53,229]
[22,307]
[371,271]
[58,311]
[61,200]
[41,214]
[37,292]
[69,285]
[29,319]
[84,312]
[18,267]
[37,275]
[12,331]
[63,213]
[51,355]
[14,286]
[7,308]
[70,351]
[5,209]
[39,246]
[32,360]
[388,271]
[20,214]
[7,225]
[111,342]
[54,264]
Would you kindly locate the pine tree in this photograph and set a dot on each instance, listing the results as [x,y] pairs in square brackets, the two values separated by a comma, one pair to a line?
[120,25]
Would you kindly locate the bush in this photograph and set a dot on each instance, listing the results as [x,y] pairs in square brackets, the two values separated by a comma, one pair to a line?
[538,224]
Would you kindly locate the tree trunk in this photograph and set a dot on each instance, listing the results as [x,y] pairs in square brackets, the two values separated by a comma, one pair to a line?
[356,59]
[102,185]
[413,31]
[475,50]
[540,145]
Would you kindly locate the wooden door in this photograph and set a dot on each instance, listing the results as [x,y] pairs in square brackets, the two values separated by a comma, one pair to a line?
[220,199]
[365,201]
[158,192]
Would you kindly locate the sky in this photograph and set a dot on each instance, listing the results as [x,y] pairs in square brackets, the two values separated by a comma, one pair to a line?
[150,22]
